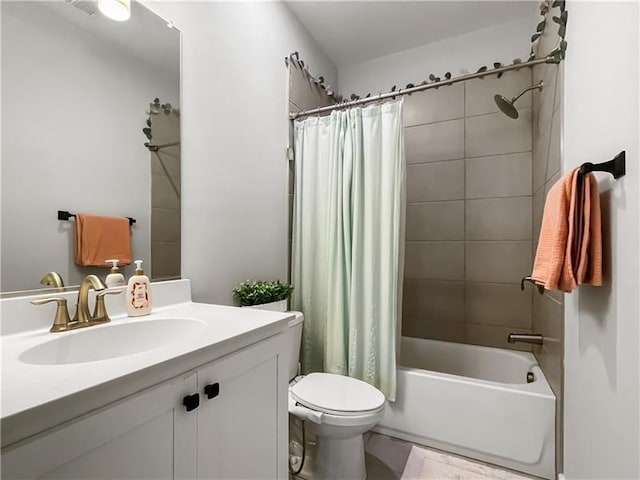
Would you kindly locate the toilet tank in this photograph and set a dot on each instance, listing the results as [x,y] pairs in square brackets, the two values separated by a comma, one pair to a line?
[295,338]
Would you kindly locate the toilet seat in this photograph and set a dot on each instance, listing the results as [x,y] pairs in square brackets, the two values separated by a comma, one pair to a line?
[337,395]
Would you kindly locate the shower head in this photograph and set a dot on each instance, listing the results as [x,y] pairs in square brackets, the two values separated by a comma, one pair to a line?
[507,106]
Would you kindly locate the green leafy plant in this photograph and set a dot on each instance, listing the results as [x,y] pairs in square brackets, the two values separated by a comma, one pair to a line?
[252,292]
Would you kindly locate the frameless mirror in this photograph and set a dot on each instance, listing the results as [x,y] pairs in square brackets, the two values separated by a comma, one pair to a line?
[78,89]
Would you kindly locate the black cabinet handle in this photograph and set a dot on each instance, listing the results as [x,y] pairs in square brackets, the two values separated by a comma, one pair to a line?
[191,402]
[212,390]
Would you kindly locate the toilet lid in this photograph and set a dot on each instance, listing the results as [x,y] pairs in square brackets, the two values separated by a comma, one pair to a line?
[337,394]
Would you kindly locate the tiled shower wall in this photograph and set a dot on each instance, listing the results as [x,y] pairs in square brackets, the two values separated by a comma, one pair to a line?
[165,198]
[469,213]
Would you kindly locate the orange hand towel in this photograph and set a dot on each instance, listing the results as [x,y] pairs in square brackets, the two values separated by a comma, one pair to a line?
[570,245]
[99,238]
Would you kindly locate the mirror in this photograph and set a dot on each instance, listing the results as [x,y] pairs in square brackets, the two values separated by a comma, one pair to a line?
[78,89]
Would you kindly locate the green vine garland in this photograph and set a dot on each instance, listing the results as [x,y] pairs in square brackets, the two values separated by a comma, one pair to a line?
[558,53]
[156,108]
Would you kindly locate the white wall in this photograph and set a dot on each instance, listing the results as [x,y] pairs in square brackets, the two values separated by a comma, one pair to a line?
[72,117]
[501,43]
[234,135]
[602,344]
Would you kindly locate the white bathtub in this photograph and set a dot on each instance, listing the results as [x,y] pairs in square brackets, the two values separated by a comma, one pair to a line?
[474,401]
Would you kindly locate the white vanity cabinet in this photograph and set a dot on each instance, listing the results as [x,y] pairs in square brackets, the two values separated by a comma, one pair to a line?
[239,432]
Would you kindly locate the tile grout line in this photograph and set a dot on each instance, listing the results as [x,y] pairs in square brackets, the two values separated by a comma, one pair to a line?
[472,199]
[465,157]
[464,116]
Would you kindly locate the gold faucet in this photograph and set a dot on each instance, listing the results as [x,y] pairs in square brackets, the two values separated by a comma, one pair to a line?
[82,318]
[52,279]
[82,305]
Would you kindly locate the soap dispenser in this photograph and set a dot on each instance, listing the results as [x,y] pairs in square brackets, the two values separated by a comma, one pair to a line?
[115,278]
[138,298]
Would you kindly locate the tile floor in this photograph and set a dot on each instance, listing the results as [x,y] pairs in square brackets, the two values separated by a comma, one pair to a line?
[389,458]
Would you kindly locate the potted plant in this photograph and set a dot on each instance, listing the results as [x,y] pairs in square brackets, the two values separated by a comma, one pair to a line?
[266,295]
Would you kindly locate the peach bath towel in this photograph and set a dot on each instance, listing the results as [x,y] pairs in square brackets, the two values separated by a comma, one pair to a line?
[100,237]
[570,245]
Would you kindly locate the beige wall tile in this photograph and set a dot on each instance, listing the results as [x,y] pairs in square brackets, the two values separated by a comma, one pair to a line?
[162,193]
[435,221]
[538,208]
[434,260]
[539,73]
[546,98]
[434,142]
[165,260]
[498,176]
[554,157]
[557,296]
[551,182]
[548,315]
[495,134]
[165,225]
[548,319]
[559,88]
[434,105]
[499,262]
[480,92]
[492,336]
[171,160]
[433,301]
[551,368]
[435,181]
[540,158]
[498,219]
[501,305]
[434,330]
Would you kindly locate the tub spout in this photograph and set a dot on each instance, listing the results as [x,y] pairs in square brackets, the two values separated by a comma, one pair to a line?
[533,338]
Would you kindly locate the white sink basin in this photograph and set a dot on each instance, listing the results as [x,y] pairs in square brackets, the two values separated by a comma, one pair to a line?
[110,341]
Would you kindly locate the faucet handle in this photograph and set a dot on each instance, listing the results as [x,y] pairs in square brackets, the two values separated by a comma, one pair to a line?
[52,279]
[100,311]
[62,319]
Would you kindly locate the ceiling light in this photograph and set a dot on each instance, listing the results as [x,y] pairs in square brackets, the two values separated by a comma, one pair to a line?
[119,10]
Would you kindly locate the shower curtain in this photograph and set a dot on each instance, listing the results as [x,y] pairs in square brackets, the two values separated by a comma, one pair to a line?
[347,237]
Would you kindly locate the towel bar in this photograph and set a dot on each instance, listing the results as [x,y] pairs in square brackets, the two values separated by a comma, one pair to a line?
[530,280]
[64,215]
[616,166]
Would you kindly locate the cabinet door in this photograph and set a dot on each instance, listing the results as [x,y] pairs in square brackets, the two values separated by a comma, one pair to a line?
[146,436]
[238,428]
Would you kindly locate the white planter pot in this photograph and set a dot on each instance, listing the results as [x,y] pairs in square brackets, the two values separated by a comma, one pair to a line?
[280,306]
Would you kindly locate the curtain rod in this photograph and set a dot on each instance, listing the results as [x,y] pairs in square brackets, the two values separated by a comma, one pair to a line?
[419,88]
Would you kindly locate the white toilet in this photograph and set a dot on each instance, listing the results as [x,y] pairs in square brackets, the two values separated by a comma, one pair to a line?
[338,409]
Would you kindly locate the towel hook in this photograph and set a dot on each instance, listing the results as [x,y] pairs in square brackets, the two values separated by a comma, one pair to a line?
[615,166]
[530,280]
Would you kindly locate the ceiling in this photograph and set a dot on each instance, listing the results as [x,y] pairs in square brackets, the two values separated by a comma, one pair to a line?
[355,31]
[144,36]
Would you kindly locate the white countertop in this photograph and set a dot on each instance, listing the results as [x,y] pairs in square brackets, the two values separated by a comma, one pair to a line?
[36,397]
